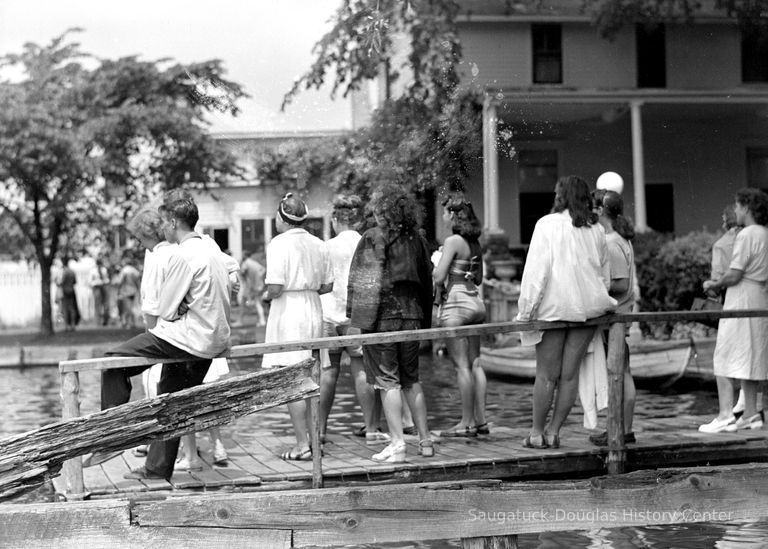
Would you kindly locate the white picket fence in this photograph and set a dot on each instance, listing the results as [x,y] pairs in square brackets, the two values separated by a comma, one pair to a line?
[21,298]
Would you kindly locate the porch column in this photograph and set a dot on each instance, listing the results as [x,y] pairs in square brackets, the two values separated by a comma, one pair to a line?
[490,166]
[638,166]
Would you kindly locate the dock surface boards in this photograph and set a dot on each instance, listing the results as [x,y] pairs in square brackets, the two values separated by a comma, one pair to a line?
[255,461]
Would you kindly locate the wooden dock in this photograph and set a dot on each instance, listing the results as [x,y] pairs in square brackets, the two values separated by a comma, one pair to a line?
[255,463]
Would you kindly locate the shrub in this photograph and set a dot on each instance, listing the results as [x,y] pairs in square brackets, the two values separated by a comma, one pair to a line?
[670,273]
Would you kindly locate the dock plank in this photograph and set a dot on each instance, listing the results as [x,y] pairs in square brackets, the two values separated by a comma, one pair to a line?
[255,463]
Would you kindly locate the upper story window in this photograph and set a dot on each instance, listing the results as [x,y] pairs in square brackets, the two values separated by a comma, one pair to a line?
[650,44]
[754,54]
[547,53]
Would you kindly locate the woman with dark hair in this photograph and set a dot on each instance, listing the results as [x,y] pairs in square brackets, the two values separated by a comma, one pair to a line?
[619,232]
[390,289]
[741,351]
[459,272]
[566,277]
[297,273]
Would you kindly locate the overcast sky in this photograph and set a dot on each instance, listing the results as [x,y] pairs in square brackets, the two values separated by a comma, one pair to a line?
[264,44]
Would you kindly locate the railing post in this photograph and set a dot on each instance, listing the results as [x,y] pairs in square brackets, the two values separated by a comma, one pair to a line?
[617,454]
[314,419]
[72,469]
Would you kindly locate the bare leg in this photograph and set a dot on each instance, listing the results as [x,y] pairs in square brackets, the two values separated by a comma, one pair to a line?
[574,348]
[392,402]
[749,387]
[366,395]
[416,402]
[407,414]
[259,312]
[458,351]
[724,397]
[630,395]
[549,357]
[328,378]
[480,382]
[219,452]
[298,411]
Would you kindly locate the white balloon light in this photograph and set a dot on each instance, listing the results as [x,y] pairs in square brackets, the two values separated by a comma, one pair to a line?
[610,181]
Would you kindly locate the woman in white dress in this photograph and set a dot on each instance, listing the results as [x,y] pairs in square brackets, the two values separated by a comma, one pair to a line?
[741,351]
[566,277]
[298,271]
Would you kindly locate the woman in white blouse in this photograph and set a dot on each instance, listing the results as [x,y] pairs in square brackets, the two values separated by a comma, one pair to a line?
[741,351]
[566,278]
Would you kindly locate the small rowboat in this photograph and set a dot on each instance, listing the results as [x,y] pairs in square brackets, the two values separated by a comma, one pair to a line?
[658,362]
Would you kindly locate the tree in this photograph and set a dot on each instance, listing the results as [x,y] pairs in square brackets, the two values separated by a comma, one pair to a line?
[84,141]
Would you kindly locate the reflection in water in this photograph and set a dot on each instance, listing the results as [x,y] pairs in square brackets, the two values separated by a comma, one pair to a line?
[31,399]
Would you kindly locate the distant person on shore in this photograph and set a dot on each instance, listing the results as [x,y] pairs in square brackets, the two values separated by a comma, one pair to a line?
[67,296]
[98,280]
[566,277]
[297,274]
[197,331]
[128,283]
[252,275]
[390,289]
[741,350]
[458,274]
[619,233]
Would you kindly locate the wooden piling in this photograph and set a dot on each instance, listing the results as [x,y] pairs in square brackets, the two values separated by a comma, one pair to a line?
[72,468]
[314,417]
[617,455]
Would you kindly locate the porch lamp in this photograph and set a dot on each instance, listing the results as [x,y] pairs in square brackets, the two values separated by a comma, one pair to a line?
[610,181]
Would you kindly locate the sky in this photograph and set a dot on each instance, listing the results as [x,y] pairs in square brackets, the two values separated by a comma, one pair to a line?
[264,44]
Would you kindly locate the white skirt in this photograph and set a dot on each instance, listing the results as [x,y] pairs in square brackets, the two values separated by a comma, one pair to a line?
[292,316]
[741,350]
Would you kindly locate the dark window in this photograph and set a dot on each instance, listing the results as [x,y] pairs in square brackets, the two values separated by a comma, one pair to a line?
[547,54]
[253,235]
[661,217]
[757,167]
[537,175]
[651,56]
[754,53]
[221,236]
[533,206]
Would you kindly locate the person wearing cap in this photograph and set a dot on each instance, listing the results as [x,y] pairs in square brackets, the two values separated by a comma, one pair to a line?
[298,271]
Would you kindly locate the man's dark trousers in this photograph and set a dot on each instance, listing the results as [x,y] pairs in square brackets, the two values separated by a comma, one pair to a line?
[116,387]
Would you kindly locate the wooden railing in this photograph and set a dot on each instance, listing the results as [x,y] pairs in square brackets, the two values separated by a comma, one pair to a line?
[70,385]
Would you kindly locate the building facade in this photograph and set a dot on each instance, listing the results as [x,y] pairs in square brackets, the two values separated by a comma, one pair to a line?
[680,111]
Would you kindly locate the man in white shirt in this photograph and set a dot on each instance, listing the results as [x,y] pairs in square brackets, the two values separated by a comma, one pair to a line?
[193,323]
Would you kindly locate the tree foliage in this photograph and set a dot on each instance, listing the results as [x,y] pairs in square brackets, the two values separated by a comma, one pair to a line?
[364,40]
[84,141]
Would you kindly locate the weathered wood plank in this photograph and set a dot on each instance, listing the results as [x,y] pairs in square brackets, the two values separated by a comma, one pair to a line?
[28,459]
[107,523]
[459,510]
[256,349]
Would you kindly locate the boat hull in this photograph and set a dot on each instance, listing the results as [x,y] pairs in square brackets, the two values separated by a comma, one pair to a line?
[650,361]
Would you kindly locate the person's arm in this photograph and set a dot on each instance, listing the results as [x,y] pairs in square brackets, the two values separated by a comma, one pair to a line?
[536,274]
[731,278]
[450,248]
[174,288]
[273,291]
[740,258]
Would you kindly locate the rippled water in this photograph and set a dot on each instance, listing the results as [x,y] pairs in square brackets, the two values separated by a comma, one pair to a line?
[30,399]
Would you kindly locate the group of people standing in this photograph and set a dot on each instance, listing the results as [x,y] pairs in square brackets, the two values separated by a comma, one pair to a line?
[377,281]
[382,278]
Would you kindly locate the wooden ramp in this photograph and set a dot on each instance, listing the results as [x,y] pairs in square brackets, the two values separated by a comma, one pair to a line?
[255,464]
